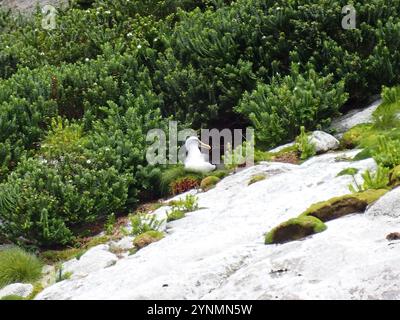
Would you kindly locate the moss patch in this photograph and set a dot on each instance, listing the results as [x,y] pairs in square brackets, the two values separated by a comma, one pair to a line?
[341,206]
[209,182]
[147,238]
[257,178]
[353,137]
[294,229]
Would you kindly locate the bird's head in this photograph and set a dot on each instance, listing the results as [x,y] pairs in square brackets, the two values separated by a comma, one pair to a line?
[194,141]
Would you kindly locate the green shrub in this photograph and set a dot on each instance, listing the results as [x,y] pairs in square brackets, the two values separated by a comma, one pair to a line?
[118,69]
[17,265]
[278,110]
[40,203]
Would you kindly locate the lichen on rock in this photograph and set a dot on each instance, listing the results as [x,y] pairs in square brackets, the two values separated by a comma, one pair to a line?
[340,206]
[295,229]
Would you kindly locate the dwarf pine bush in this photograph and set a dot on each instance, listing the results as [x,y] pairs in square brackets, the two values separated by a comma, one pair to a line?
[277,111]
[76,102]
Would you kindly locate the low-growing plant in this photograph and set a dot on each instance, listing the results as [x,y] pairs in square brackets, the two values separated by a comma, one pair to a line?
[181,207]
[187,204]
[237,157]
[184,184]
[209,182]
[142,222]
[109,226]
[387,152]
[175,214]
[305,147]
[376,180]
[61,276]
[17,265]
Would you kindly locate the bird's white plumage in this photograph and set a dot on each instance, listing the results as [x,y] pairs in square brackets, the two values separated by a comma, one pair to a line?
[195,160]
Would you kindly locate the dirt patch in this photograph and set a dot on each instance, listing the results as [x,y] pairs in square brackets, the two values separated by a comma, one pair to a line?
[393,236]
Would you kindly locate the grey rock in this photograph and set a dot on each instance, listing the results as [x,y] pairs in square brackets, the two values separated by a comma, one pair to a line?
[94,259]
[17,289]
[323,141]
[387,206]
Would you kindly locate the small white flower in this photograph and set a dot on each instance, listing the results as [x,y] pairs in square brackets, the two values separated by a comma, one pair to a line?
[130,34]
[87,59]
[41,53]
[155,40]
[88,161]
[107,12]
[139,46]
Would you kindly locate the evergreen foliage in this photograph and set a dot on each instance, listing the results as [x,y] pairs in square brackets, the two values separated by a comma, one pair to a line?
[76,102]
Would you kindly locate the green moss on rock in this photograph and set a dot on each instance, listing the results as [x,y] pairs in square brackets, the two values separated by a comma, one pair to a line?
[147,238]
[209,182]
[257,178]
[353,137]
[340,206]
[294,229]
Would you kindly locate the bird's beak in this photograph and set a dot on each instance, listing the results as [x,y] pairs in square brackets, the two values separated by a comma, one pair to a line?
[206,146]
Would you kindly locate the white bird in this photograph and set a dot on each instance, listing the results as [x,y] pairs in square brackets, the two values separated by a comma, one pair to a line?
[195,161]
